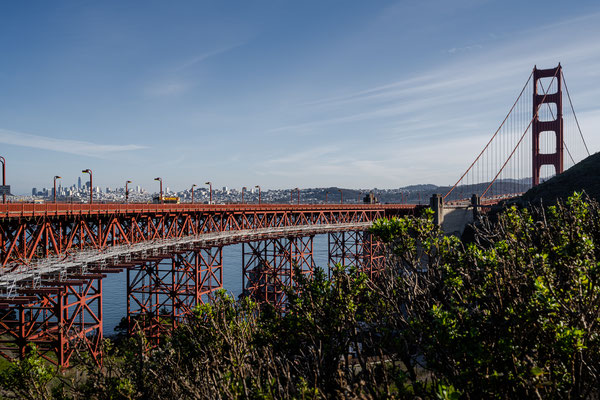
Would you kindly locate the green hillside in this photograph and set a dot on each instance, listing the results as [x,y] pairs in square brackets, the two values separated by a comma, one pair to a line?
[582,176]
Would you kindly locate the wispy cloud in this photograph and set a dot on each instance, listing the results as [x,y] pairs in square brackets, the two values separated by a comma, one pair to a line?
[63,145]
[168,88]
[372,91]
[478,79]
[303,157]
[454,50]
[204,56]
[173,84]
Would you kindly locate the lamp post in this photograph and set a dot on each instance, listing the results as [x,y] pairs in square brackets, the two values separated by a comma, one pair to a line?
[257,186]
[89,171]
[193,186]
[341,196]
[210,186]
[326,193]
[3,161]
[127,191]
[298,195]
[55,178]
[358,197]
[243,189]
[161,192]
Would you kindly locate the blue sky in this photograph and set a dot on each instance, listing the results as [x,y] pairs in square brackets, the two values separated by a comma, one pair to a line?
[357,94]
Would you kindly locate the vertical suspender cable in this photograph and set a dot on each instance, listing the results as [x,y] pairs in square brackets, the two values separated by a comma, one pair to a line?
[575,115]
[492,138]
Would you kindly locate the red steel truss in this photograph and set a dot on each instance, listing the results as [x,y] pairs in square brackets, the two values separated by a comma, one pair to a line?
[33,231]
[356,248]
[161,293]
[269,267]
[58,318]
[173,258]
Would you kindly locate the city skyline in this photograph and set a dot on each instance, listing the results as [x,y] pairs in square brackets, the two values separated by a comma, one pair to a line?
[348,94]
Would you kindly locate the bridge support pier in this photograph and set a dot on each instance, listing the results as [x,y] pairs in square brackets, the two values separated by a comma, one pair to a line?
[437,205]
[476,203]
[357,248]
[162,292]
[59,318]
[268,267]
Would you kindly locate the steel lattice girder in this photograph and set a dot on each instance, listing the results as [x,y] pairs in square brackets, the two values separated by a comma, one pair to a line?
[356,248]
[268,267]
[163,292]
[29,231]
[58,319]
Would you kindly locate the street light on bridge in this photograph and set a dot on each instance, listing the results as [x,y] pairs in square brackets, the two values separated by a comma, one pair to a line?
[326,193]
[161,192]
[341,196]
[257,186]
[55,178]
[3,161]
[127,191]
[89,171]
[210,186]
[193,186]
[243,189]
[298,195]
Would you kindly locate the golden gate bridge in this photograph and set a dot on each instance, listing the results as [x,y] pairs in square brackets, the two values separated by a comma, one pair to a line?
[54,256]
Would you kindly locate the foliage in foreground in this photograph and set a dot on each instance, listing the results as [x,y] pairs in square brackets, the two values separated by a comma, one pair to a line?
[513,314]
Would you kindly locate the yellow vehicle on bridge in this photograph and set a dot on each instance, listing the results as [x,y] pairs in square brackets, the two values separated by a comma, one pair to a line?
[166,200]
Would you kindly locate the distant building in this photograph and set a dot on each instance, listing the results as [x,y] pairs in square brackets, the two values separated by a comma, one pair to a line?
[79,183]
[370,199]
[34,191]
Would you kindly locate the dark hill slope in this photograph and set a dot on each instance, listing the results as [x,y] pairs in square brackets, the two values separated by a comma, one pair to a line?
[584,176]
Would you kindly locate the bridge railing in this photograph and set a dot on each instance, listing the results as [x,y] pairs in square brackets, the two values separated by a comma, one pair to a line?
[31,209]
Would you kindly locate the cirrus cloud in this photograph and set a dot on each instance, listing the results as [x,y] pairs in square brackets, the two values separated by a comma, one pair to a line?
[63,145]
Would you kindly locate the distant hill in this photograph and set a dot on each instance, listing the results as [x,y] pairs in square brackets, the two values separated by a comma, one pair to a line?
[582,176]
[421,188]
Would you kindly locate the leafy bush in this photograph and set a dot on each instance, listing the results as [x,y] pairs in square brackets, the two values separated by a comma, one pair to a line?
[514,314]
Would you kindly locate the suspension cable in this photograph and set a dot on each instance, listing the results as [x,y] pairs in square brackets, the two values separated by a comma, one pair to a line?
[552,114]
[490,141]
[575,115]
[522,136]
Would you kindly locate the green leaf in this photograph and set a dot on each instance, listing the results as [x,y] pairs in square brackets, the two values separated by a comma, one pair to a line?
[537,371]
